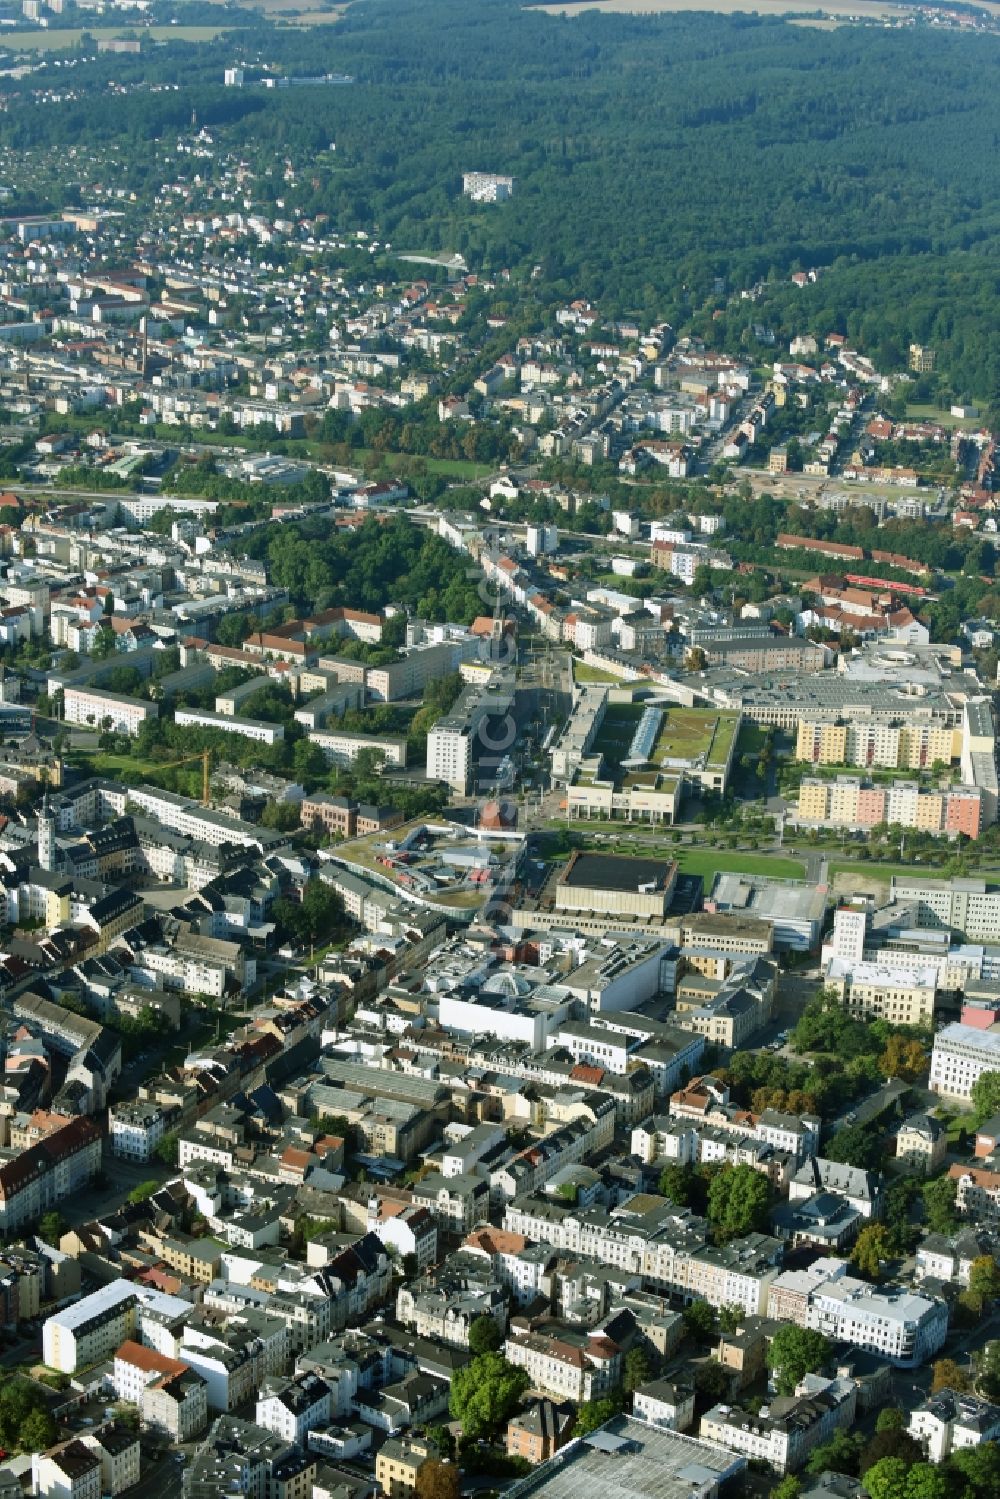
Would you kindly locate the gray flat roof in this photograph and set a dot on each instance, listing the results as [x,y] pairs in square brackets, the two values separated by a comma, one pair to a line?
[770,900]
[630,1458]
[617,872]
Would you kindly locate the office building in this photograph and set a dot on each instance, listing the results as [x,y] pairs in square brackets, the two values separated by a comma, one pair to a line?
[961,1054]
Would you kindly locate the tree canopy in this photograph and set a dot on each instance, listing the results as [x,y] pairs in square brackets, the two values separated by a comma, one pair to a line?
[484,1335]
[25,1421]
[986,1096]
[738,1200]
[485,1393]
[793,1352]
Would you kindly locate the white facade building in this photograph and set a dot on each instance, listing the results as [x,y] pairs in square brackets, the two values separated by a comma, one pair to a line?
[291,1408]
[248,728]
[961,1054]
[947,1422]
[902,1327]
[449,754]
[94,709]
[135,1130]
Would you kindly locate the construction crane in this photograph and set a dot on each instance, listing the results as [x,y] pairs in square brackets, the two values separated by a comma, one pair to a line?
[205,756]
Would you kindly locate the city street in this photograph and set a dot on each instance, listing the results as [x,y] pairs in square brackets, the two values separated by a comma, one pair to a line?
[122,1177]
[161,1480]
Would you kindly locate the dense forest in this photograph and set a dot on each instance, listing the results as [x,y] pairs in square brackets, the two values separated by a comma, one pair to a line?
[663,163]
[396,562]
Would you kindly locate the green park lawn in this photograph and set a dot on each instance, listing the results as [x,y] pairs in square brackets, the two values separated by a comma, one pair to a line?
[709,861]
[584,673]
[884,872]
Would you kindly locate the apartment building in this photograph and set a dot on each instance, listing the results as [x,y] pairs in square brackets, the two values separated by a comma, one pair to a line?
[341,748]
[704,1103]
[977,1193]
[580,731]
[791,1291]
[851,802]
[664,1244]
[200,965]
[664,1403]
[664,1139]
[961,1054]
[93,708]
[135,1130]
[898,1325]
[450,747]
[257,729]
[950,1422]
[479,727]
[91,1329]
[568,1363]
[203,824]
[44,1174]
[422,663]
[573,1143]
[399,1462]
[784,1432]
[232,1365]
[737,1274]
[891,746]
[445,1310]
[117,1447]
[69,1471]
[239,1457]
[135,1366]
[537,1432]
[23,1277]
[291,1408]
[457,1204]
[176,1405]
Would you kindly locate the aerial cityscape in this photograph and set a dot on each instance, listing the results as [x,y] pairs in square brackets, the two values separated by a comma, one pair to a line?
[499,676]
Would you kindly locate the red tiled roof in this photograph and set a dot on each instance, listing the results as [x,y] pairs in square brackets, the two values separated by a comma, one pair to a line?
[583,1072]
[148,1359]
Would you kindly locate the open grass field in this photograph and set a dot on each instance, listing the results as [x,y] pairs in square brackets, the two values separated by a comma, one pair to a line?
[956,1125]
[284,10]
[919,869]
[584,673]
[99,763]
[319,452]
[66,39]
[709,862]
[448,468]
[863,876]
[943,417]
[309,18]
[63,40]
[868,9]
